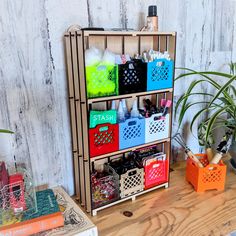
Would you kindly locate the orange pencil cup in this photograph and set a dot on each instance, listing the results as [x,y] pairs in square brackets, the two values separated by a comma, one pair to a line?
[211,176]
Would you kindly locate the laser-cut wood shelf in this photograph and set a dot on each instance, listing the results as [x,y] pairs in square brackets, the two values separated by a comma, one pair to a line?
[120,42]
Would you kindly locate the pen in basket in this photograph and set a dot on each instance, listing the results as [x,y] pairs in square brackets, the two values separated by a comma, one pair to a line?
[223,147]
[178,138]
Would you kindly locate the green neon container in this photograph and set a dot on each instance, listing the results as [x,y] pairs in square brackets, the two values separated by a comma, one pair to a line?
[102,80]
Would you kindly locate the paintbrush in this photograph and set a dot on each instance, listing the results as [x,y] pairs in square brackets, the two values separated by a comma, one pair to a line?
[223,147]
[178,138]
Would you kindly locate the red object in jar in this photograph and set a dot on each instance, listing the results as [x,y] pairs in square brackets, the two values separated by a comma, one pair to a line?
[16,193]
[103,139]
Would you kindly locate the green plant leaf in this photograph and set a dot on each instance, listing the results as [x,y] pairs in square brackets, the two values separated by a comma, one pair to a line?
[199,113]
[211,81]
[6,131]
[224,100]
[191,87]
[226,85]
[223,94]
[187,107]
[188,95]
[233,90]
[212,120]
[202,72]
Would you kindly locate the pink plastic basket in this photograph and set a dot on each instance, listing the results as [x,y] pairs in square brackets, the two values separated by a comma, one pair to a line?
[156,171]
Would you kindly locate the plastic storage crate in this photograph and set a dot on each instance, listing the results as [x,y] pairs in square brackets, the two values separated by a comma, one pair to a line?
[156,171]
[160,74]
[17,193]
[131,182]
[102,80]
[132,77]
[156,128]
[103,139]
[105,189]
[211,176]
[131,133]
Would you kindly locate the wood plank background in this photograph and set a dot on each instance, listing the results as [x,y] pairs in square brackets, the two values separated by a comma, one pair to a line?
[33,89]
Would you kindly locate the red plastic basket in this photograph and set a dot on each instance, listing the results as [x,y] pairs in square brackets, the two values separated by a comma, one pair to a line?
[103,139]
[156,171]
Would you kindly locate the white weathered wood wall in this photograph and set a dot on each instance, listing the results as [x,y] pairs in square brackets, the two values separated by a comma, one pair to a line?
[33,90]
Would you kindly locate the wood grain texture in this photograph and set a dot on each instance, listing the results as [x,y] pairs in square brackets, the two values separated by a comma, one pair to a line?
[178,210]
[33,88]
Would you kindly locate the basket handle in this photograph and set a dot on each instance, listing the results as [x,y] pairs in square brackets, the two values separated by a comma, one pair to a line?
[132,172]
[131,66]
[103,127]
[101,67]
[156,117]
[131,123]
[156,165]
[212,166]
[160,62]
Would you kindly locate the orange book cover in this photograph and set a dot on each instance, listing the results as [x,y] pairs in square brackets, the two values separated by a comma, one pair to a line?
[47,216]
[33,226]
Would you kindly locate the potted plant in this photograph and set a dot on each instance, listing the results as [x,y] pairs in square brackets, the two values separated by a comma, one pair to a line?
[218,108]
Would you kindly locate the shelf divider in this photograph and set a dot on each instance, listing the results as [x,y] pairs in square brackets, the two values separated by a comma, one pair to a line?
[128,149]
[130,95]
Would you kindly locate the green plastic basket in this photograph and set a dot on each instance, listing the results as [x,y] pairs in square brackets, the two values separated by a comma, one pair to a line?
[102,80]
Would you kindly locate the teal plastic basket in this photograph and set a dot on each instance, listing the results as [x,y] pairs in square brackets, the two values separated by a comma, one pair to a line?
[102,80]
[160,74]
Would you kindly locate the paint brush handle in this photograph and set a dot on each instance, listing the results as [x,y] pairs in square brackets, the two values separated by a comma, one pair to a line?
[209,153]
[216,158]
[194,158]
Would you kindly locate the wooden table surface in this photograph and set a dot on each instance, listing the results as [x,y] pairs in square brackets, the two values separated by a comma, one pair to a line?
[178,210]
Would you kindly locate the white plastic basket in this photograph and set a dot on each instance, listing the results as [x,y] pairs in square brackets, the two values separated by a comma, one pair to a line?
[156,128]
[131,182]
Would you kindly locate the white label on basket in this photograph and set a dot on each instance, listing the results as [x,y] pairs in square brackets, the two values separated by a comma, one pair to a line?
[131,66]
[156,165]
[101,67]
[18,210]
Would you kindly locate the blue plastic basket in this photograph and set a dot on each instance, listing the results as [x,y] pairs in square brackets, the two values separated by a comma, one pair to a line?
[131,133]
[160,74]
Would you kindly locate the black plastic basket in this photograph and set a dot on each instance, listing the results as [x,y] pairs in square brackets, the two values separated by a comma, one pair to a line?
[133,77]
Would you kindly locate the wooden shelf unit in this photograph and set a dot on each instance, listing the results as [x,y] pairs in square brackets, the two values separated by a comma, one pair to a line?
[120,42]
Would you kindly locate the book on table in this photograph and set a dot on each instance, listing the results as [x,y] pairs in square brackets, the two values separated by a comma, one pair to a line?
[48,216]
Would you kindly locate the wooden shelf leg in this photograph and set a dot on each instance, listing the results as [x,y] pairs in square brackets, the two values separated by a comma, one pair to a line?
[94,213]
